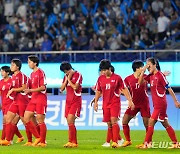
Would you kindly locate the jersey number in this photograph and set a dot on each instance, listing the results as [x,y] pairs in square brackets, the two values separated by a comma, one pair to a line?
[108,86]
[137,85]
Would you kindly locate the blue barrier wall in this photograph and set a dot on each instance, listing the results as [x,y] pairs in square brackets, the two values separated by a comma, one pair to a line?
[91,120]
[90,72]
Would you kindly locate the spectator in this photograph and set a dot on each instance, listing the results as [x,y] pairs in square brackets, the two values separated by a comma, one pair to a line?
[23,41]
[94,43]
[163,23]
[21,11]
[83,41]
[125,42]
[46,46]
[8,36]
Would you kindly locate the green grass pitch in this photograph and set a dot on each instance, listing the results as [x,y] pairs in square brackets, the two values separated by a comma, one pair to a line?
[89,143]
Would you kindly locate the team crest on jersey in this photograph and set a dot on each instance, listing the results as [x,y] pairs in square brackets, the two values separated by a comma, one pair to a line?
[112,80]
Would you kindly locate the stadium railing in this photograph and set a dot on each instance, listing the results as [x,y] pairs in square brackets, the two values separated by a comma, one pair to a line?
[93,56]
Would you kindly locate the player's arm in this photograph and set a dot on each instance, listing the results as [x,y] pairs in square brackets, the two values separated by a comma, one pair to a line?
[97,96]
[171,92]
[20,89]
[63,86]
[141,76]
[126,93]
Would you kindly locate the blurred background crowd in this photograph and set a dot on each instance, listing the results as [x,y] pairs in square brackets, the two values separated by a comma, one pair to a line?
[63,25]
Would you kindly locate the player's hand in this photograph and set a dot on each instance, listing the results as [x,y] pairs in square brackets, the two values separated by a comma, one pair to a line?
[26,91]
[177,104]
[70,75]
[131,105]
[95,107]
[166,73]
[0,106]
[9,92]
[92,101]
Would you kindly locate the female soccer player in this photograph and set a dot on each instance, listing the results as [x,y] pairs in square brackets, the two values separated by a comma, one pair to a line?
[158,85]
[109,131]
[109,86]
[72,83]
[19,83]
[140,100]
[5,86]
[38,102]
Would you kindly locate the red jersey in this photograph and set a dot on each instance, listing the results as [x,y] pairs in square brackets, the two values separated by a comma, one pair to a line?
[110,89]
[158,84]
[71,93]
[5,86]
[38,79]
[138,92]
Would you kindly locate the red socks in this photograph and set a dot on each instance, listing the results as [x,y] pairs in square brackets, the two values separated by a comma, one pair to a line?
[109,135]
[3,136]
[126,131]
[30,125]
[149,134]
[38,128]
[171,134]
[72,133]
[8,132]
[17,132]
[43,131]
[115,132]
[29,134]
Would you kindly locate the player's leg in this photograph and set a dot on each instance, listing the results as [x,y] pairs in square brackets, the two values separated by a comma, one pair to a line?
[30,127]
[15,129]
[126,129]
[171,134]
[9,128]
[115,132]
[108,136]
[43,129]
[3,135]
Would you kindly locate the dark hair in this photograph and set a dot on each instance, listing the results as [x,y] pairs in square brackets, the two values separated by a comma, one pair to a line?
[112,69]
[6,69]
[34,59]
[137,64]
[104,64]
[65,66]
[154,61]
[17,62]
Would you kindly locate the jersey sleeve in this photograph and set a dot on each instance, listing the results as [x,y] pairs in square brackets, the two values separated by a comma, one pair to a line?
[42,79]
[163,80]
[126,82]
[121,83]
[78,79]
[98,85]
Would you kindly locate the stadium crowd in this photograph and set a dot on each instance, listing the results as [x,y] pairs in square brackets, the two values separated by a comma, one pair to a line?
[45,25]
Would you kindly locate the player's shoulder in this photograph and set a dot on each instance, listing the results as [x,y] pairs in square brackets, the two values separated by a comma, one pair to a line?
[117,76]
[128,77]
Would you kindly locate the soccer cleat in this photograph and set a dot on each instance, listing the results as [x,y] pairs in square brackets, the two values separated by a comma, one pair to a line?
[115,145]
[120,142]
[19,140]
[41,145]
[106,144]
[174,146]
[126,143]
[28,144]
[74,145]
[6,143]
[144,146]
[37,140]
[67,145]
